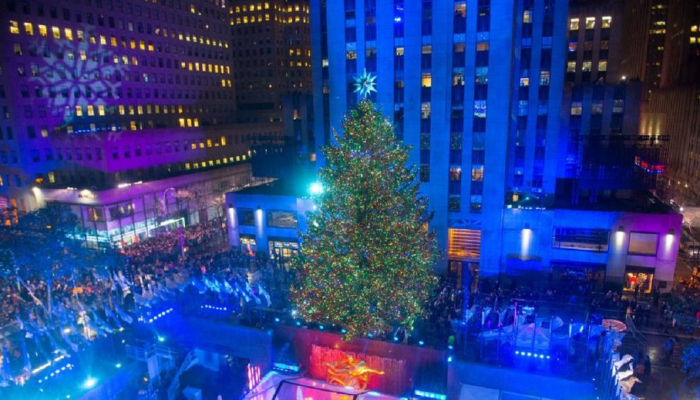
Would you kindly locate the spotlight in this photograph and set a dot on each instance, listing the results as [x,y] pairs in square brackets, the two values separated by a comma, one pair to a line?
[119,365]
[517,352]
[320,327]
[161,339]
[421,343]
[277,320]
[449,359]
[89,383]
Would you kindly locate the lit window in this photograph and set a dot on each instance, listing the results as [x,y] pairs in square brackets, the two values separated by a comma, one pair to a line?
[132,125]
[14,27]
[480,108]
[425,110]
[602,66]
[103,40]
[42,31]
[208,142]
[426,80]
[44,132]
[90,110]
[69,34]
[78,111]
[101,109]
[606,22]
[573,24]
[576,108]
[29,28]
[113,41]
[527,16]
[83,55]
[571,66]
[590,22]
[139,109]
[524,81]
[586,67]
[223,140]
[56,32]
[81,36]
[544,77]
[121,109]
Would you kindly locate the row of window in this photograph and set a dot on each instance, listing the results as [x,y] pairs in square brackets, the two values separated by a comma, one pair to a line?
[589,23]
[266,17]
[597,240]
[275,219]
[80,35]
[150,13]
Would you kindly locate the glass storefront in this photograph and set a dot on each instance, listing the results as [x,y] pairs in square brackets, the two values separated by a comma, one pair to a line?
[639,279]
[284,249]
[248,245]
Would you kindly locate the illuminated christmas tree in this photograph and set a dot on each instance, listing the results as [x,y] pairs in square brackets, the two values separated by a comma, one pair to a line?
[366,259]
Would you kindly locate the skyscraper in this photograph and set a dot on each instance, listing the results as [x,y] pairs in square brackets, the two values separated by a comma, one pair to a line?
[98,94]
[645,23]
[474,87]
[477,90]
[271,55]
[674,109]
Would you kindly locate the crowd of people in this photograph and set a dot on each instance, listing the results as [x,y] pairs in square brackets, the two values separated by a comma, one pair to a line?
[59,312]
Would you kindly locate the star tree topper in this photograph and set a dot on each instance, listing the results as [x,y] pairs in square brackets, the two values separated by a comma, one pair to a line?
[365,84]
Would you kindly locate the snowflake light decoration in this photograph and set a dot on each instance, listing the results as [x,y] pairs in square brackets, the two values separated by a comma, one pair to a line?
[365,84]
[78,71]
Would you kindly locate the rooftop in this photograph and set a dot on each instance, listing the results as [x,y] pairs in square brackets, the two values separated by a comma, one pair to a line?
[280,187]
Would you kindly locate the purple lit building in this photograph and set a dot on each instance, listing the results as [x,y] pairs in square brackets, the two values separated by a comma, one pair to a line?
[98,94]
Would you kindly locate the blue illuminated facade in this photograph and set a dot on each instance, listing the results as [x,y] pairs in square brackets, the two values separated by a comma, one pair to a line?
[475,89]
[479,91]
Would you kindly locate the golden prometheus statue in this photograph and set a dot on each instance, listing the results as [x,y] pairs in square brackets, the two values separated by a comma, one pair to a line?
[350,372]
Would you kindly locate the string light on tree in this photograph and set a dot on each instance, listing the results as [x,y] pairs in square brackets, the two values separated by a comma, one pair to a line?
[366,259]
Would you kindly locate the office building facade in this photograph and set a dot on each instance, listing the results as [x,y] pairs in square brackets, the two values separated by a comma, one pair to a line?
[477,89]
[473,87]
[98,93]
[271,56]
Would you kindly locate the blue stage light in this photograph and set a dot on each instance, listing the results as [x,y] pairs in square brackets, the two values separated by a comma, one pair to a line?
[89,383]
[343,331]
[161,339]
[421,343]
[277,320]
[529,354]
[320,327]
[517,352]
[119,365]
[449,359]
